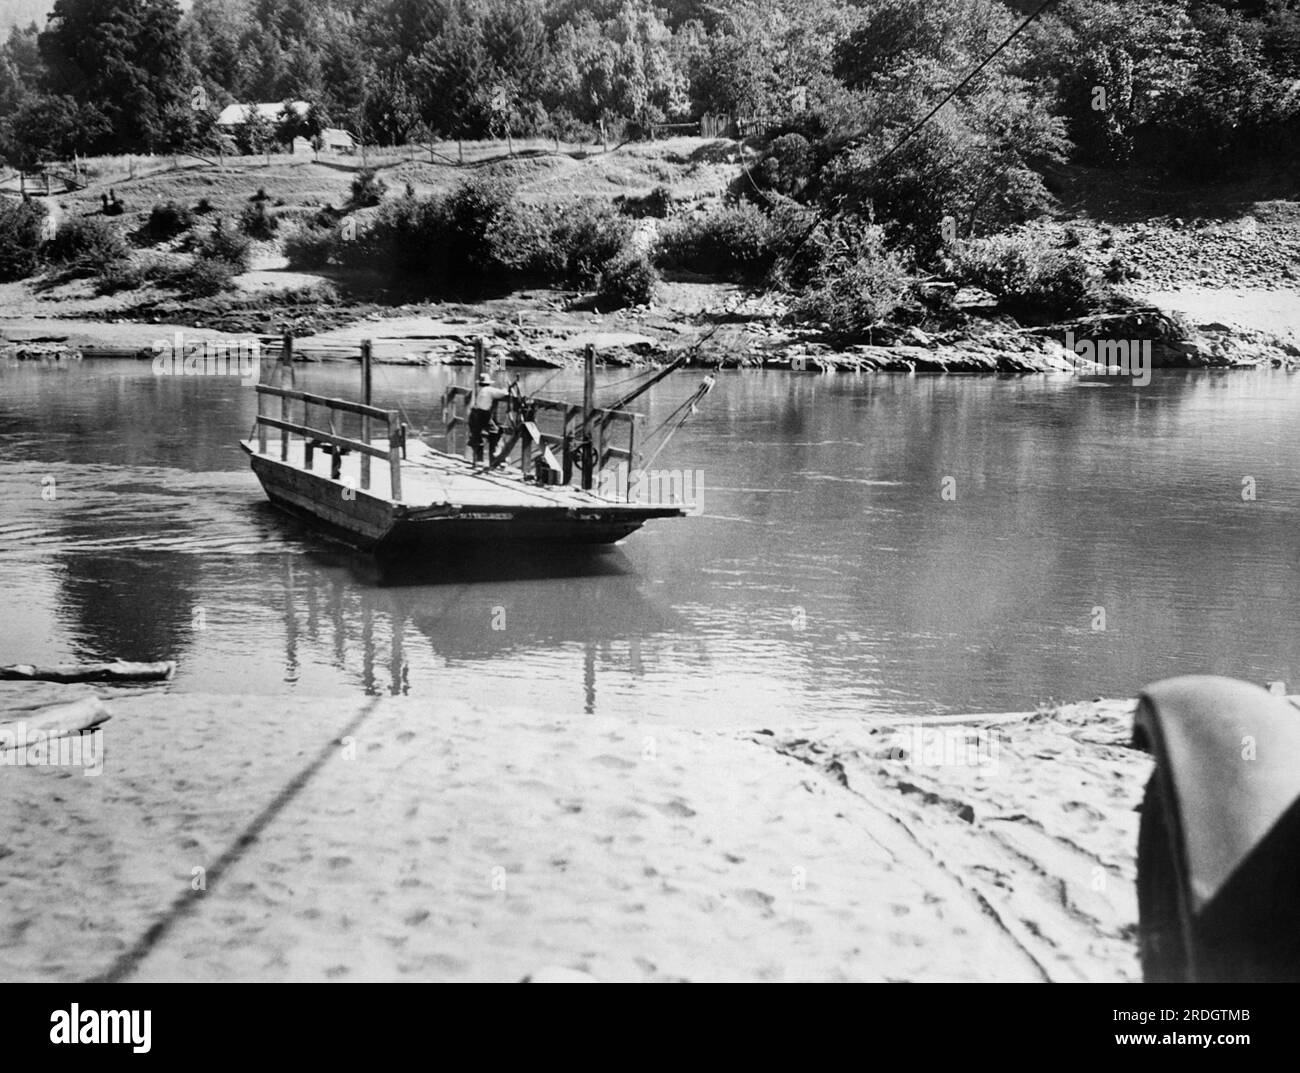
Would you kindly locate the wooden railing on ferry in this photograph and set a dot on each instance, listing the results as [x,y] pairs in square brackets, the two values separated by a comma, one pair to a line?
[396,439]
[457,401]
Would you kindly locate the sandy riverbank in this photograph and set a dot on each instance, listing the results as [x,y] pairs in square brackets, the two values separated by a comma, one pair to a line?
[389,838]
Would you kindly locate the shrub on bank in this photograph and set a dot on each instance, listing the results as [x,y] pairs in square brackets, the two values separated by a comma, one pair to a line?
[741,242]
[368,189]
[257,223]
[22,230]
[787,167]
[205,278]
[657,204]
[733,243]
[225,244]
[478,235]
[196,279]
[627,280]
[479,221]
[312,246]
[86,244]
[167,219]
[1027,274]
[859,285]
[131,275]
[318,292]
[459,239]
[575,241]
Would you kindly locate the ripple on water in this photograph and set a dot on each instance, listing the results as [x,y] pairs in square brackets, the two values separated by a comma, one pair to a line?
[98,508]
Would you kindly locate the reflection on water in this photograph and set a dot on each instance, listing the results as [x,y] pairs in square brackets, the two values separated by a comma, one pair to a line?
[830,574]
[480,611]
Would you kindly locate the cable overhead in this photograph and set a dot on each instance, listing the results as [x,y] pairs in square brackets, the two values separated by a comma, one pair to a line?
[819,213]
[966,81]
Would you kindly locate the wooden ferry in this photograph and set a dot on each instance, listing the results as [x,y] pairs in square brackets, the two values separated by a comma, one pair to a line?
[352,469]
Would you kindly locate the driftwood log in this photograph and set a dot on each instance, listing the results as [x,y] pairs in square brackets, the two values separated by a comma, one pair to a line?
[118,671]
[57,720]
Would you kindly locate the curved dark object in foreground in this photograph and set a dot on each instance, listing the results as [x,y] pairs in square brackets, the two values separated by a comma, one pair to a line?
[1219,844]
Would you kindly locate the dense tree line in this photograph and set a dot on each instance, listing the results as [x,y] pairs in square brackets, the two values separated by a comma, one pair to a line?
[1189,86]
[881,162]
[1186,81]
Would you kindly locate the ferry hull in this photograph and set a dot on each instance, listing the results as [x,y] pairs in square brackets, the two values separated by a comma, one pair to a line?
[389,529]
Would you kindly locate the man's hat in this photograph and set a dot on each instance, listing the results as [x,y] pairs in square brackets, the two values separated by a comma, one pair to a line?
[484,379]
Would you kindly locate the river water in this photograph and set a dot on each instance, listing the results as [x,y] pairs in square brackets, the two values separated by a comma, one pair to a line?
[869,545]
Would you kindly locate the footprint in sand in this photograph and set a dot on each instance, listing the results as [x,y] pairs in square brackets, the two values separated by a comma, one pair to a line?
[676,807]
[1093,814]
[756,899]
[616,762]
[626,812]
[557,974]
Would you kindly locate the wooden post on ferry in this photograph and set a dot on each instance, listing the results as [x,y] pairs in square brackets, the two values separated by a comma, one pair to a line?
[263,377]
[480,354]
[308,444]
[366,354]
[286,360]
[396,449]
[588,405]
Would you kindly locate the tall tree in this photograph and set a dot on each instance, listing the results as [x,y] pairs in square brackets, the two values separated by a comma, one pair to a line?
[452,77]
[126,58]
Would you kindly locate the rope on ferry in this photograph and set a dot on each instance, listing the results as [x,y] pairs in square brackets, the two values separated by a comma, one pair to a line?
[686,410]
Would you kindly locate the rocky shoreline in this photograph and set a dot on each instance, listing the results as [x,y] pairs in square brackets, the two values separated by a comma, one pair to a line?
[529,337]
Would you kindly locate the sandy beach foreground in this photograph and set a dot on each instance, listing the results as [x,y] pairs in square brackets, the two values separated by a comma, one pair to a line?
[271,838]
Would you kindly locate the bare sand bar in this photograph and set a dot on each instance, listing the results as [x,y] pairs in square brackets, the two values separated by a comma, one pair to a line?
[271,838]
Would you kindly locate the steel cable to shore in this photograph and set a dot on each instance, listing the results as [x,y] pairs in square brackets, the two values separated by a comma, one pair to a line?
[821,214]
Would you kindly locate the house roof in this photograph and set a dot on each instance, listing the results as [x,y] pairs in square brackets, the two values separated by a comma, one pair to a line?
[232,115]
[336,135]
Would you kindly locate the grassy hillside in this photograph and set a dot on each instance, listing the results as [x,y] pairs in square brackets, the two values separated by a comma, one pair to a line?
[693,168]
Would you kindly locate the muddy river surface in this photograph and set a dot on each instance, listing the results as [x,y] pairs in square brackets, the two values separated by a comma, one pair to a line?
[868,545]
